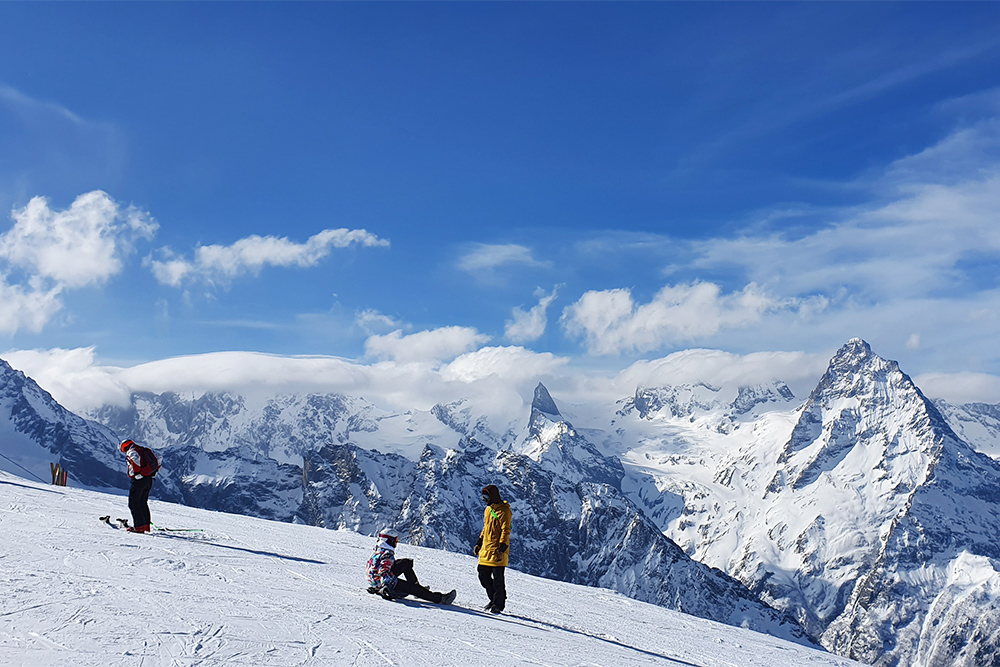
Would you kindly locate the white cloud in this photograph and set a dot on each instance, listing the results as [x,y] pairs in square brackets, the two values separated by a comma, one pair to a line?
[499,380]
[936,213]
[610,322]
[527,326]
[77,382]
[79,246]
[29,309]
[372,321]
[425,346]
[15,99]
[960,388]
[483,261]
[71,377]
[509,363]
[799,370]
[923,254]
[55,250]
[221,264]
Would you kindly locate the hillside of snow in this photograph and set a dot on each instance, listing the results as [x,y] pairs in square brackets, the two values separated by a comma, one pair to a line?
[254,592]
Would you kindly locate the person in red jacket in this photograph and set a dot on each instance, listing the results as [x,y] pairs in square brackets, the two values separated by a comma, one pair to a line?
[493,548]
[142,467]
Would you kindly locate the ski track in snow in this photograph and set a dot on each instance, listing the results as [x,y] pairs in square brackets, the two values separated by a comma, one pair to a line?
[253,592]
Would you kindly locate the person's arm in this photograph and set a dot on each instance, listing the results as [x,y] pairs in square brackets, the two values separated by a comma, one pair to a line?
[505,531]
[482,533]
[134,463]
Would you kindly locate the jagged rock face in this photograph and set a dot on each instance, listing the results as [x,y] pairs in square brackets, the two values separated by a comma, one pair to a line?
[36,431]
[238,481]
[460,417]
[542,402]
[556,446]
[911,599]
[859,520]
[675,401]
[701,400]
[283,428]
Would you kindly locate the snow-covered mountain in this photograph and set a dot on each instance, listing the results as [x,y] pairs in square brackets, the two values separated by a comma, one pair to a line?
[976,423]
[35,431]
[245,591]
[862,512]
[294,458]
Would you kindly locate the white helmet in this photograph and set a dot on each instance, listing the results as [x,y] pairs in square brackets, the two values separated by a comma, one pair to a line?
[389,536]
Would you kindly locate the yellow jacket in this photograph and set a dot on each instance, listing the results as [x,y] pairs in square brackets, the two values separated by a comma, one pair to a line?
[496,531]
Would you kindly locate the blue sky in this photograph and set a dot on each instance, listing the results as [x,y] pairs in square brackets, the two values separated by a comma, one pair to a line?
[602,183]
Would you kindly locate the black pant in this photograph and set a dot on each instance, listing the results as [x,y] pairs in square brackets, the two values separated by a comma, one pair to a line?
[491,577]
[138,500]
[410,586]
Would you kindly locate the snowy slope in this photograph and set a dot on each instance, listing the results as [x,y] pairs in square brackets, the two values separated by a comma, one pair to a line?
[248,591]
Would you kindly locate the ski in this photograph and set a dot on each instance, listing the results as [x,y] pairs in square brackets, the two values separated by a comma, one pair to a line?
[122,524]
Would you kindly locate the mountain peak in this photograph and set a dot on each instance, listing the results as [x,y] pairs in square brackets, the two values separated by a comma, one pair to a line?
[856,360]
[856,348]
[543,401]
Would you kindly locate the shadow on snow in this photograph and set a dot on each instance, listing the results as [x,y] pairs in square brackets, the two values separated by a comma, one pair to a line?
[542,625]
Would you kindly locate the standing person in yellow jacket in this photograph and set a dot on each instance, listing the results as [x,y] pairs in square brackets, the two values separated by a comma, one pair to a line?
[492,548]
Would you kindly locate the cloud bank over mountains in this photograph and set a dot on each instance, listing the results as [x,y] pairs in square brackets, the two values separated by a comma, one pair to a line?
[503,375]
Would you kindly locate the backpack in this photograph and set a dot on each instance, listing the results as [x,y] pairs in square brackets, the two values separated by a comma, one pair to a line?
[148,463]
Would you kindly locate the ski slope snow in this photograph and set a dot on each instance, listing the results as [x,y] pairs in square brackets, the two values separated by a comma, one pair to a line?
[246,591]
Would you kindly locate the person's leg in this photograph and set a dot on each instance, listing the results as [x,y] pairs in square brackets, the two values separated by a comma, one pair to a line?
[486,580]
[403,567]
[409,588]
[135,501]
[144,501]
[499,588]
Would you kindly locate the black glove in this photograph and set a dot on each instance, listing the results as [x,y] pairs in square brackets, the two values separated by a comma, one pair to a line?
[503,548]
[479,545]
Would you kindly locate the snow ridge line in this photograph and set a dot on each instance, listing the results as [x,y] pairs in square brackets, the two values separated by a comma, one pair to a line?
[380,654]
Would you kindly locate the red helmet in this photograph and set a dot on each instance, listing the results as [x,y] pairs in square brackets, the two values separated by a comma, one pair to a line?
[126,444]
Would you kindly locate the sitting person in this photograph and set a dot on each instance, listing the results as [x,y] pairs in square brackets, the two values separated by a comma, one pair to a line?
[393,578]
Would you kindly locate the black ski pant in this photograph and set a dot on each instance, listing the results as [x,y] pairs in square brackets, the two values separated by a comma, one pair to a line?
[409,585]
[138,500]
[491,577]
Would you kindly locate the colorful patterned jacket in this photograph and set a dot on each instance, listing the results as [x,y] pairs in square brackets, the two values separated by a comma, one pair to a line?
[380,566]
